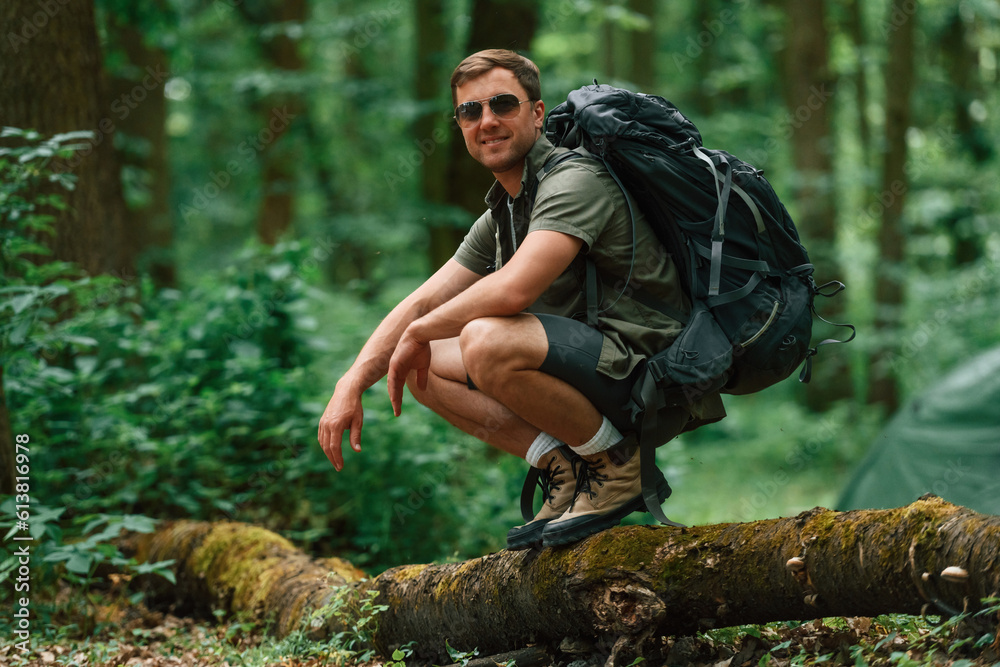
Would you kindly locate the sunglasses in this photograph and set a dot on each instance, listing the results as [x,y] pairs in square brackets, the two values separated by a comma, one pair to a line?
[504,106]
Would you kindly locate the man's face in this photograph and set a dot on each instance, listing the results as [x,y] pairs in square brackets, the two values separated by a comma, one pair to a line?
[500,145]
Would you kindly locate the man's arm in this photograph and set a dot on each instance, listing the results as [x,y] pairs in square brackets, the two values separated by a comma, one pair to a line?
[344,411]
[542,257]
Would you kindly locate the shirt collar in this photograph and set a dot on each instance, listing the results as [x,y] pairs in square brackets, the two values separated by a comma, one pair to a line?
[533,162]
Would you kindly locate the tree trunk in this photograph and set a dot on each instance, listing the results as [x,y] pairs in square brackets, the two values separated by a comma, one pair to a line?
[961,63]
[277,111]
[432,127]
[856,28]
[149,219]
[704,59]
[809,90]
[899,27]
[627,587]
[52,80]
[609,39]
[642,47]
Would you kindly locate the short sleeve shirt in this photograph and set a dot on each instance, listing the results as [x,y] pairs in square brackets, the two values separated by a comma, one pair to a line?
[579,197]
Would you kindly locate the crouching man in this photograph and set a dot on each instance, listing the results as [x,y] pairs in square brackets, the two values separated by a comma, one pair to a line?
[496,340]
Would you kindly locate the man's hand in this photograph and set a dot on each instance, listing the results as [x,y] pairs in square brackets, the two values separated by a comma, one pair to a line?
[343,413]
[410,354]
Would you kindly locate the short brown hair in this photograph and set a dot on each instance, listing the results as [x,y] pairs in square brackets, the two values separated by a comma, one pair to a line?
[482,62]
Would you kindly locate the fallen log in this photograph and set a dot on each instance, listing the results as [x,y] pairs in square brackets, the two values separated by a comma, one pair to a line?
[624,586]
[241,569]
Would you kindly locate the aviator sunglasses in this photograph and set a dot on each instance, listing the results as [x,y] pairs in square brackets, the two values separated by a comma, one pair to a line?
[504,106]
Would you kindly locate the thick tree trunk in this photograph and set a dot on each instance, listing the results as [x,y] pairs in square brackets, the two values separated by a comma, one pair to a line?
[900,27]
[809,90]
[962,63]
[277,206]
[856,28]
[432,128]
[628,586]
[52,80]
[642,45]
[149,219]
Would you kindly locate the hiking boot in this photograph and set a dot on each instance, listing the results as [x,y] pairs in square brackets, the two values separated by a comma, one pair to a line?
[608,489]
[556,479]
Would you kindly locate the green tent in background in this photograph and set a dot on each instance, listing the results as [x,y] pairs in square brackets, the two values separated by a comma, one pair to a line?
[946,441]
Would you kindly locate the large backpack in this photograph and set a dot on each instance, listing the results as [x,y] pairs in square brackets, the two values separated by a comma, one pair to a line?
[737,251]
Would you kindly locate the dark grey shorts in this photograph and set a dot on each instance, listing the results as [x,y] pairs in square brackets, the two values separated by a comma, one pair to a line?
[574,349]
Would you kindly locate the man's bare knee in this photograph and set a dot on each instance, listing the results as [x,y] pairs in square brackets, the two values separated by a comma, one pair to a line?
[481,353]
[422,396]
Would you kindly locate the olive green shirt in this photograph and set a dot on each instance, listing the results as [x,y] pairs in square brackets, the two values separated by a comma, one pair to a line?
[580,198]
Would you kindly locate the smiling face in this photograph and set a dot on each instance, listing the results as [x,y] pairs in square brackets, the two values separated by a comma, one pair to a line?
[501,145]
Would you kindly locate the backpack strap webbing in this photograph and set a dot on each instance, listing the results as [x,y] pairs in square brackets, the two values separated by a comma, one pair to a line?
[652,401]
[719,230]
[528,493]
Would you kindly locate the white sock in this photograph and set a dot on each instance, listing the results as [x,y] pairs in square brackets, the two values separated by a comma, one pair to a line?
[606,437]
[542,445]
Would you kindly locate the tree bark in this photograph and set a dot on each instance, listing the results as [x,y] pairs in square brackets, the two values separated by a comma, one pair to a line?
[642,45]
[856,29]
[628,586]
[150,219]
[961,65]
[277,206]
[809,90]
[52,80]
[900,26]
[432,128]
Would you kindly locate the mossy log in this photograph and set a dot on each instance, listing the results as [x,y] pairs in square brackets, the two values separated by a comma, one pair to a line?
[624,585]
[241,568]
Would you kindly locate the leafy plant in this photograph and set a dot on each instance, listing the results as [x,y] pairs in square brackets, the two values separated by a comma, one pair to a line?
[30,190]
[358,614]
[400,655]
[84,549]
[460,657]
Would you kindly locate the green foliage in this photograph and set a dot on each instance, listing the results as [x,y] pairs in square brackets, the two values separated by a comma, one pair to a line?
[359,614]
[35,291]
[400,655]
[174,396]
[960,640]
[73,553]
[458,656]
[202,402]
[87,543]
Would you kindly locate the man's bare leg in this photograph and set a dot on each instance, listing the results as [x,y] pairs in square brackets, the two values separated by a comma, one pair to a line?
[473,412]
[515,401]
[503,354]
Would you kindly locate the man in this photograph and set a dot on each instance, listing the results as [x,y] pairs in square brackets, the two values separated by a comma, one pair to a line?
[490,342]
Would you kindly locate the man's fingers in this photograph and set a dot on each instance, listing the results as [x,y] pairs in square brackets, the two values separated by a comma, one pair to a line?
[355,435]
[341,416]
[333,451]
[395,394]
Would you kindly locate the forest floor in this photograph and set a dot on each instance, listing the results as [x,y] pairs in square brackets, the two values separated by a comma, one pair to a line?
[100,633]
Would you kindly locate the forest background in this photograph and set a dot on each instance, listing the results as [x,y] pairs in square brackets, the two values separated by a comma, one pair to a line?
[241,189]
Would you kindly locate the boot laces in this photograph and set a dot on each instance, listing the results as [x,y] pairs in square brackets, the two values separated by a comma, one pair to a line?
[587,474]
[550,480]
